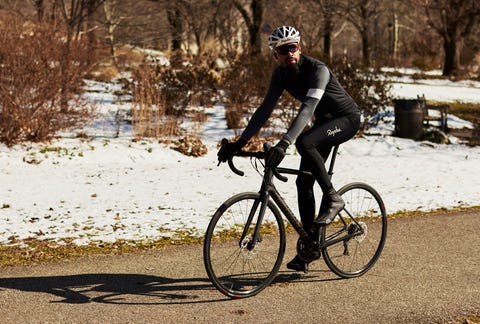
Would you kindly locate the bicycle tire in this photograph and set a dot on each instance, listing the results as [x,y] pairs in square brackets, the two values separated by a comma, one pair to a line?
[365,211]
[234,269]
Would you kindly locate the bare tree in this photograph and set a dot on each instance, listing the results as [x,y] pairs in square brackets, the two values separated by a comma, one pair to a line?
[453,20]
[393,35]
[175,22]
[75,12]
[39,8]
[198,23]
[176,25]
[330,12]
[112,20]
[362,14]
[189,23]
[227,21]
[253,21]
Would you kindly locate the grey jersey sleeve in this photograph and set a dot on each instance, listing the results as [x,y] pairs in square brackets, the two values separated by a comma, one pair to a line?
[264,111]
[318,84]
[301,120]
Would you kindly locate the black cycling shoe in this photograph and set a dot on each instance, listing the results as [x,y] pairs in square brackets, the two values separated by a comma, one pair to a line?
[333,204]
[298,264]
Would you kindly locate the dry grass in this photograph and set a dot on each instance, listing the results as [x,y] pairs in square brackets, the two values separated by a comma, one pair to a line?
[32,251]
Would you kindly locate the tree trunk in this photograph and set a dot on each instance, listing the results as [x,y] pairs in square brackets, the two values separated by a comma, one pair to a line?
[175,21]
[365,49]
[176,30]
[257,14]
[109,7]
[327,39]
[450,66]
[39,8]
[253,23]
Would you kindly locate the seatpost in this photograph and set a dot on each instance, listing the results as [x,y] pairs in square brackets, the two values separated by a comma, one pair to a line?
[332,161]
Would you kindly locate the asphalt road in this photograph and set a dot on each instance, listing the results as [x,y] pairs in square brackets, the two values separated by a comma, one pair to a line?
[428,273]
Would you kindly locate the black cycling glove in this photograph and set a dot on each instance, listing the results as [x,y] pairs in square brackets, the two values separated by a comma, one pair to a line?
[227,150]
[276,154]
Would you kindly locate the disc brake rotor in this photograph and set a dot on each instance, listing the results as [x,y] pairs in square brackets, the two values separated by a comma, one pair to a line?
[245,247]
[363,226]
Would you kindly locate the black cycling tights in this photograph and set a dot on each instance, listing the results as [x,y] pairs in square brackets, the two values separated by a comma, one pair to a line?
[314,146]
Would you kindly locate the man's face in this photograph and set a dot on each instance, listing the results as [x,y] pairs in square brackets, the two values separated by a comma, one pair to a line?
[287,55]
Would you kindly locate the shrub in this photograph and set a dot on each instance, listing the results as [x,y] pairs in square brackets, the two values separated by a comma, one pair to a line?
[245,83]
[40,73]
[369,91]
[163,94]
[149,115]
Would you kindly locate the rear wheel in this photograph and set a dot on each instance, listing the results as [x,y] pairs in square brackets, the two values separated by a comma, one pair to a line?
[360,230]
[237,264]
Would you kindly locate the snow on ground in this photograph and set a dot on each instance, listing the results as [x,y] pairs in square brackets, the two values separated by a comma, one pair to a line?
[434,89]
[108,188]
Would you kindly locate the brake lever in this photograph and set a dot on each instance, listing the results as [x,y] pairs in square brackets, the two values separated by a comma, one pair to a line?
[267,147]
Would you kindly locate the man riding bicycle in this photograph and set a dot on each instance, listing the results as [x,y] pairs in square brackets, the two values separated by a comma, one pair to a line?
[336,119]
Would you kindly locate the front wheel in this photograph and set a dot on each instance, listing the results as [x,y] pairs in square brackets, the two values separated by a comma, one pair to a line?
[238,264]
[359,230]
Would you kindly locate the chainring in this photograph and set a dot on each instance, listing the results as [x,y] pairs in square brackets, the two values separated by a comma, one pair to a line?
[306,251]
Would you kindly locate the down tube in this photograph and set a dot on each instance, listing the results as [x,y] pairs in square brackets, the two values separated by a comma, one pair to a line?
[288,214]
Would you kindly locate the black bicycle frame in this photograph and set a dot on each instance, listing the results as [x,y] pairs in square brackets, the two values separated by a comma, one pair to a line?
[268,190]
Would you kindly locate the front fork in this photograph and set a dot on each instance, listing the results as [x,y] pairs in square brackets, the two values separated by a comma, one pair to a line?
[263,203]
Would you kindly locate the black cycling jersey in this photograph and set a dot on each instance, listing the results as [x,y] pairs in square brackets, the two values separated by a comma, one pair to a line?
[316,87]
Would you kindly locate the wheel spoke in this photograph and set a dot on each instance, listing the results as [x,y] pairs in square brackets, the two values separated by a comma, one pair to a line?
[237,267]
[364,219]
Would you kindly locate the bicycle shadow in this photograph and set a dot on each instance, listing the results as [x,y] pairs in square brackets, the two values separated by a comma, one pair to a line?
[134,289]
[313,276]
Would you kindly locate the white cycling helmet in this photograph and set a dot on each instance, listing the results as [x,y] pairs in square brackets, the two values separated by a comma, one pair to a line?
[283,35]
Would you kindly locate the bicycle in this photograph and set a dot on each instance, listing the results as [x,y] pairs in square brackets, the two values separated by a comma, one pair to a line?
[245,240]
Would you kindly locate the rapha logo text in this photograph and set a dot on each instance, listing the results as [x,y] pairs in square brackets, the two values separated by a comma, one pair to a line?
[331,132]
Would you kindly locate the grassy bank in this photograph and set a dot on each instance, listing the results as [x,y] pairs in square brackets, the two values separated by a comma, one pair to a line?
[33,251]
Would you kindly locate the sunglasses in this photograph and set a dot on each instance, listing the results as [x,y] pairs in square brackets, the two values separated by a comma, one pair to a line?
[284,49]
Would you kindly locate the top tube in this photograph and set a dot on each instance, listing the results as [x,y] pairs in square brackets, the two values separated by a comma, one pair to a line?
[298,172]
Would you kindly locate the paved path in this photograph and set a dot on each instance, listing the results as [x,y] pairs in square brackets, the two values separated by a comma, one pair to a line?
[429,272]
